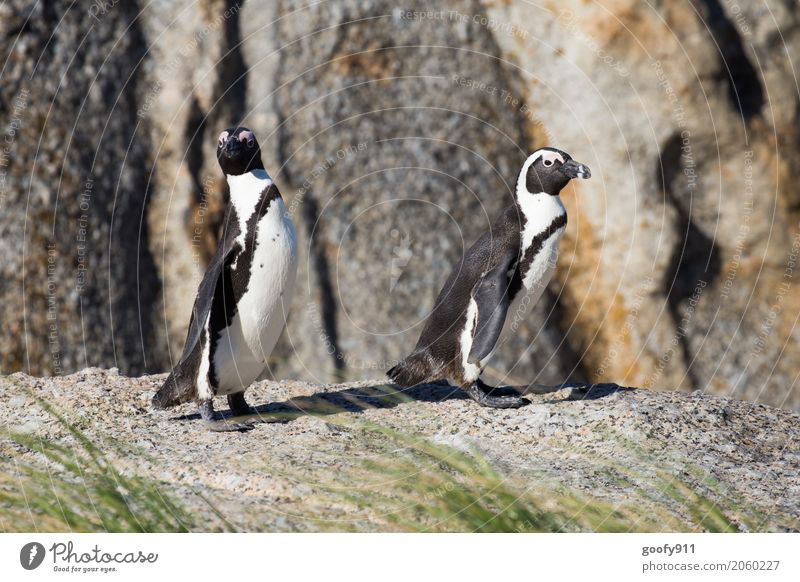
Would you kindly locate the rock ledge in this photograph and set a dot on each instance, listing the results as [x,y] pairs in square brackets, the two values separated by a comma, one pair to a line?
[270,478]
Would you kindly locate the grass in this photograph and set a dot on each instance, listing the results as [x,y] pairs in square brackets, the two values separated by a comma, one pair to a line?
[78,489]
[429,487]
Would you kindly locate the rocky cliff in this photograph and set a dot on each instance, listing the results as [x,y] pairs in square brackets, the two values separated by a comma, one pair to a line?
[395,134]
[306,466]
[79,280]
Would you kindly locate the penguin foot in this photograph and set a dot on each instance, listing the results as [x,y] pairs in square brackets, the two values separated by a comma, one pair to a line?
[497,390]
[477,393]
[239,406]
[217,424]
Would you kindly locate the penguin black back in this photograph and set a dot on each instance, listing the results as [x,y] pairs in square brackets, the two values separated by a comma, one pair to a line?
[437,353]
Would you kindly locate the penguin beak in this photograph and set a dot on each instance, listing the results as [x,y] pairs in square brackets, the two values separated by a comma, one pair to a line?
[573,169]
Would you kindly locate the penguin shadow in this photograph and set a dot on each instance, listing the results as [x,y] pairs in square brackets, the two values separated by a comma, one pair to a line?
[354,399]
[385,396]
[357,400]
[577,391]
[582,391]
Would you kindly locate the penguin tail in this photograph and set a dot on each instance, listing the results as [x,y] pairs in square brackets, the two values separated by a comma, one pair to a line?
[410,371]
[173,392]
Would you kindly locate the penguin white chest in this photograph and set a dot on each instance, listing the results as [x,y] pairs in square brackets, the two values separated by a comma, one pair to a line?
[545,223]
[264,307]
[544,264]
[268,261]
[542,212]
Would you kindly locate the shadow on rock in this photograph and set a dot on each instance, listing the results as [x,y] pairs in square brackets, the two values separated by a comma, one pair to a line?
[383,396]
[358,399]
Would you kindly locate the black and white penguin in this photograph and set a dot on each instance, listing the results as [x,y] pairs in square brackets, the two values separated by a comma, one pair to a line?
[241,305]
[504,272]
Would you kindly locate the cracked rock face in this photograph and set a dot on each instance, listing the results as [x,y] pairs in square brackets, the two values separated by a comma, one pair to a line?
[605,443]
[404,174]
[679,266]
[78,277]
[395,136]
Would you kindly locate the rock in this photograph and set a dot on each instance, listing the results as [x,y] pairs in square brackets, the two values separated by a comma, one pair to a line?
[280,476]
[390,172]
[436,165]
[79,280]
[679,269]
[395,134]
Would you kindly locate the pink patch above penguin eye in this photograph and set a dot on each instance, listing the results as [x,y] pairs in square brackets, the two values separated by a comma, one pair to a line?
[223,137]
[549,158]
[248,138]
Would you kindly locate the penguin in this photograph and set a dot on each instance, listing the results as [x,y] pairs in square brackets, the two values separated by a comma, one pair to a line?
[244,297]
[504,272]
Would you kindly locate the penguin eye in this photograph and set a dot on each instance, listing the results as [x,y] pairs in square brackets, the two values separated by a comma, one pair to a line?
[251,142]
[547,163]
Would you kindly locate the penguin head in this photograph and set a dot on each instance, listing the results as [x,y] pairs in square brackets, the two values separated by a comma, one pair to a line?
[238,151]
[548,170]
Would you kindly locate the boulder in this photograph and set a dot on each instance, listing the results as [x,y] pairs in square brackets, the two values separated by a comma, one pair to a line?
[308,465]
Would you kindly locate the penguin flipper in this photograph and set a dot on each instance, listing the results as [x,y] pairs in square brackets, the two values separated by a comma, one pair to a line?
[491,297]
[205,296]
[181,385]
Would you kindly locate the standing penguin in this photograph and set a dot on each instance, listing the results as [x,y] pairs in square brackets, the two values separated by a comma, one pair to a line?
[244,297]
[504,272]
